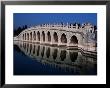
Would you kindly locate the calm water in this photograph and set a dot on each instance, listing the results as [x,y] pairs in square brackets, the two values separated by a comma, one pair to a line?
[36,59]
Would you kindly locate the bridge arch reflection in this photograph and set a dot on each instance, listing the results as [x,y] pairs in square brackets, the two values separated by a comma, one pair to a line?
[54,54]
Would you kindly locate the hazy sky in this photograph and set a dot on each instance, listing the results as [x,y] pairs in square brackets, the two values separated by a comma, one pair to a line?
[32,19]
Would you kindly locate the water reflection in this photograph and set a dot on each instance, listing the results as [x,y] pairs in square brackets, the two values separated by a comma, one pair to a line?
[68,60]
[55,53]
[42,52]
[38,49]
[73,56]
[48,52]
[63,55]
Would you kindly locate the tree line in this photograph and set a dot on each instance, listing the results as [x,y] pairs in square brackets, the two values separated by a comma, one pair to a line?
[19,30]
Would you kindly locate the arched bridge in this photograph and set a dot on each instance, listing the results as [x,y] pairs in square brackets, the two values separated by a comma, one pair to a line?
[62,35]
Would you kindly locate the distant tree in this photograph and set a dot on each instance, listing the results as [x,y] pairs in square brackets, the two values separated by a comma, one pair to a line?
[62,24]
[74,24]
[19,30]
[95,27]
[25,26]
[79,25]
[15,32]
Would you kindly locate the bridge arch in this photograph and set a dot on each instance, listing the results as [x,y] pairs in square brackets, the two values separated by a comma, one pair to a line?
[27,36]
[43,36]
[55,36]
[34,35]
[63,38]
[30,35]
[38,36]
[74,40]
[48,36]
[23,36]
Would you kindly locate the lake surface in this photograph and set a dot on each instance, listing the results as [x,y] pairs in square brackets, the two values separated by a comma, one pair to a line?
[36,59]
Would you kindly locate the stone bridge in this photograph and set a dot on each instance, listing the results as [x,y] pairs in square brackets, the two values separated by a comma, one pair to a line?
[61,35]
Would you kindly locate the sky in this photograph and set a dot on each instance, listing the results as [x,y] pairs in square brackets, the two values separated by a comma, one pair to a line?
[32,19]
